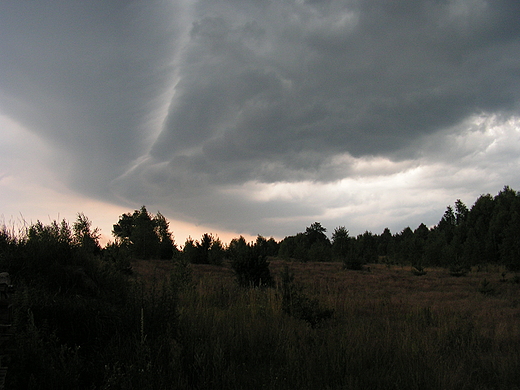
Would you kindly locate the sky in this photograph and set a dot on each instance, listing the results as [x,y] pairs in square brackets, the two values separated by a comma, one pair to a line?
[246,117]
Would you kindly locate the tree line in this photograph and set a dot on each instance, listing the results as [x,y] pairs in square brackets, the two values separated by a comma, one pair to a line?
[488,232]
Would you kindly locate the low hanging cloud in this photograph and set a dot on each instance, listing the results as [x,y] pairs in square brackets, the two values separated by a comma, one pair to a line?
[89,77]
[263,116]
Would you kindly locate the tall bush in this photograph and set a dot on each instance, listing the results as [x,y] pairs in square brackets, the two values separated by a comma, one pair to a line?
[250,265]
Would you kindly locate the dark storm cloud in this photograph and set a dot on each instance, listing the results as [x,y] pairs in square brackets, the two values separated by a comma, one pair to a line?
[193,106]
[332,77]
[275,91]
[86,75]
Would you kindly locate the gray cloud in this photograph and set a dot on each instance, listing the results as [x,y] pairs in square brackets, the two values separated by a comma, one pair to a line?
[194,106]
[86,76]
[332,77]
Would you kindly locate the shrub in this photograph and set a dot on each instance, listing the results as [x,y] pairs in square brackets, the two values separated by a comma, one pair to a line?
[296,304]
[418,270]
[458,270]
[353,264]
[74,313]
[486,288]
[251,268]
[208,251]
[119,255]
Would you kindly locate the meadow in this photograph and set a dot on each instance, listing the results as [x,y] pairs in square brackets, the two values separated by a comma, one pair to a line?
[389,328]
[249,316]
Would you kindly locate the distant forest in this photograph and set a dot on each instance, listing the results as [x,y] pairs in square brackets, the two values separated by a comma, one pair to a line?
[488,232]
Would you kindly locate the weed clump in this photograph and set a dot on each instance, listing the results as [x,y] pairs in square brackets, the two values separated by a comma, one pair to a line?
[486,287]
[296,304]
[418,270]
[458,270]
[353,264]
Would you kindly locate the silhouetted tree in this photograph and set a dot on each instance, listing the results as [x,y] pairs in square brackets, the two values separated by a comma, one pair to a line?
[145,235]
[461,212]
[167,248]
[84,236]
[52,244]
[505,227]
[385,243]
[489,232]
[341,243]
[447,224]
[420,239]
[316,233]
[209,250]
[189,251]
[294,247]
[405,243]
[249,263]
[317,245]
[478,222]
[364,251]
[266,247]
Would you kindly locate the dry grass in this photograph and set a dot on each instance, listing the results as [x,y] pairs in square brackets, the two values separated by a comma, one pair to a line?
[391,329]
[497,313]
[148,270]
[394,285]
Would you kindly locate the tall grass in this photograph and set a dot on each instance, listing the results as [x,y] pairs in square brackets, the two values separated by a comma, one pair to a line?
[240,338]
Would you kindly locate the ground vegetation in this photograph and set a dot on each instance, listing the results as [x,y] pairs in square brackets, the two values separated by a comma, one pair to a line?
[431,308]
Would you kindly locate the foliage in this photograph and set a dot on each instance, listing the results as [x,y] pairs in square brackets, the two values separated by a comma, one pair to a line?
[341,243]
[266,247]
[364,250]
[486,233]
[249,262]
[78,318]
[313,245]
[83,323]
[166,248]
[118,255]
[293,247]
[209,250]
[418,270]
[147,236]
[316,233]
[85,236]
[297,304]
[458,270]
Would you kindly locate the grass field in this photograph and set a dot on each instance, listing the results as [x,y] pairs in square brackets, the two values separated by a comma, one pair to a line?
[390,329]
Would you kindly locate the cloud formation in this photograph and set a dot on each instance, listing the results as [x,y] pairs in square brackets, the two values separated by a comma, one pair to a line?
[88,77]
[263,116]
